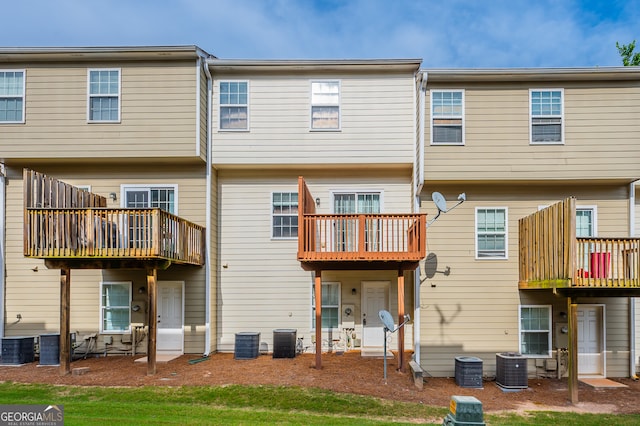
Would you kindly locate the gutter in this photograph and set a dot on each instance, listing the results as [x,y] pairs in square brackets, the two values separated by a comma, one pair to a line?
[2,250]
[632,300]
[207,287]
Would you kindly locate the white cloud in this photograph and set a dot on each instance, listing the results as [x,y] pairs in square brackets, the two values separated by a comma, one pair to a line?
[456,33]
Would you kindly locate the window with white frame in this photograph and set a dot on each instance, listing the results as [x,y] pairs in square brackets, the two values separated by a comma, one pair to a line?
[163,197]
[325,105]
[138,226]
[447,118]
[585,221]
[491,233]
[234,105]
[12,84]
[546,115]
[535,330]
[284,210]
[330,306]
[346,230]
[115,304]
[104,95]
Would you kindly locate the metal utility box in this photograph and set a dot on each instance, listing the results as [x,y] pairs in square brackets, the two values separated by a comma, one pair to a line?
[464,411]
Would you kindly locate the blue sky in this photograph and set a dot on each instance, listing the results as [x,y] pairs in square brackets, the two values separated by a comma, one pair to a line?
[444,33]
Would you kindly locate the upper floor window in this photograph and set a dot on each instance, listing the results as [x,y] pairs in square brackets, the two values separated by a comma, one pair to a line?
[447,118]
[12,96]
[234,105]
[546,116]
[491,233]
[285,214]
[104,95]
[146,196]
[115,309]
[325,105]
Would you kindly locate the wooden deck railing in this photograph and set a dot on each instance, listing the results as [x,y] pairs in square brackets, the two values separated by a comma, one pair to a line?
[608,262]
[370,237]
[112,233]
[357,237]
[551,256]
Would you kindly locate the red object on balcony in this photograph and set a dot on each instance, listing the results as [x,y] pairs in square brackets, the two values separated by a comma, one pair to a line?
[600,264]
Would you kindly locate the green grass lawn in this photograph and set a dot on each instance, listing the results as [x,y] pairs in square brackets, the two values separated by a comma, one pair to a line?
[248,405]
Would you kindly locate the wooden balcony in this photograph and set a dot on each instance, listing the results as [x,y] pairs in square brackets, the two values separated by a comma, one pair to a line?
[69,227]
[551,256]
[112,234]
[357,241]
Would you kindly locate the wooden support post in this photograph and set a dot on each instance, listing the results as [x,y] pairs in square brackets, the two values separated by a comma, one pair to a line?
[401,365]
[152,291]
[318,297]
[65,322]
[573,350]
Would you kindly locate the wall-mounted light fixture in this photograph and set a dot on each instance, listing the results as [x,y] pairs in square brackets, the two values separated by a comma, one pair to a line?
[141,290]
[353,291]
[113,196]
[318,201]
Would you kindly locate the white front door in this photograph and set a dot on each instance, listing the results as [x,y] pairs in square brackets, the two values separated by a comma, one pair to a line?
[170,338]
[375,297]
[590,340]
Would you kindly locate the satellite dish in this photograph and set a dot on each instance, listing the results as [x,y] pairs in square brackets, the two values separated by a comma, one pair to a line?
[386,319]
[439,201]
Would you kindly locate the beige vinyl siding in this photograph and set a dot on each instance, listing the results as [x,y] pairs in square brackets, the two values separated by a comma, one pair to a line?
[261,284]
[600,123]
[158,114]
[36,295]
[201,148]
[474,310]
[213,251]
[377,122]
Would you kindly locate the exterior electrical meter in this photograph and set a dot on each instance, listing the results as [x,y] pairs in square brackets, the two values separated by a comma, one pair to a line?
[464,411]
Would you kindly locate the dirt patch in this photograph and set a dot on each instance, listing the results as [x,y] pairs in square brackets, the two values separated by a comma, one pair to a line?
[350,373]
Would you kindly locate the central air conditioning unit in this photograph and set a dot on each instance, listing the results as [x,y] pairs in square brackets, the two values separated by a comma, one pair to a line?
[511,370]
[468,372]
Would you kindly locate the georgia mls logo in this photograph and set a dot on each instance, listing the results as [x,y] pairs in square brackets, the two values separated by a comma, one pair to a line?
[31,415]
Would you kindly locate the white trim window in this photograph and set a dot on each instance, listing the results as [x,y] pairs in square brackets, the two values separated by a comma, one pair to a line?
[148,196]
[325,105]
[234,105]
[586,221]
[103,105]
[12,88]
[491,233]
[546,115]
[330,306]
[284,215]
[535,330]
[447,117]
[115,311]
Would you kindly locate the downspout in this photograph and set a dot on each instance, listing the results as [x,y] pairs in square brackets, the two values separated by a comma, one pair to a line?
[419,176]
[207,267]
[632,300]
[2,249]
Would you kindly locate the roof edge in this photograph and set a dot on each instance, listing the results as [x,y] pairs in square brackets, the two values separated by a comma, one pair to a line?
[17,54]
